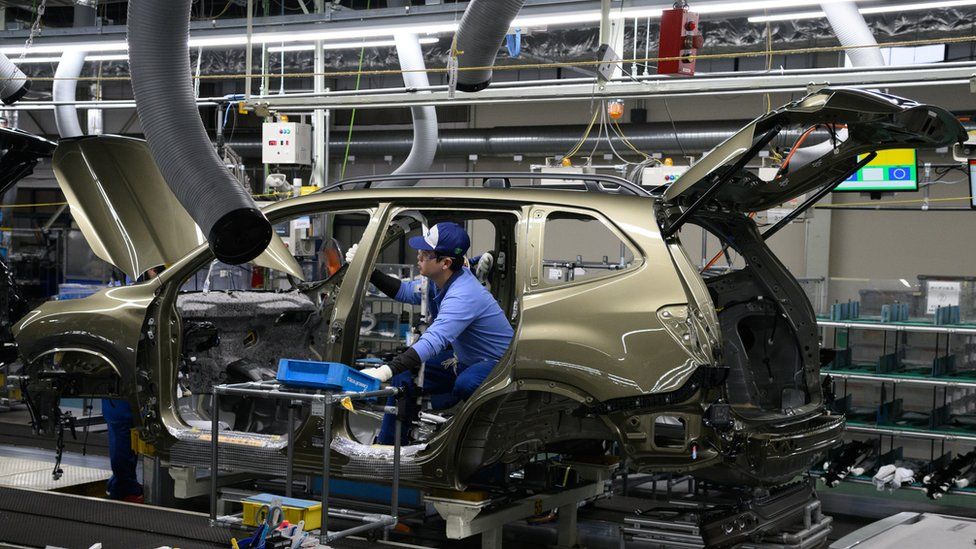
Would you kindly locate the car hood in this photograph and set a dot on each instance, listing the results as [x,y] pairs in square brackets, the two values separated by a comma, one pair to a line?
[127,212]
[874,121]
[19,153]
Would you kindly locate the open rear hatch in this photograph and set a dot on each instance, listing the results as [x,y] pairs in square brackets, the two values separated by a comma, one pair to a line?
[770,337]
[874,122]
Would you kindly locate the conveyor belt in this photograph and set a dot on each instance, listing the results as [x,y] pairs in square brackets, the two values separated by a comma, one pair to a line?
[34,518]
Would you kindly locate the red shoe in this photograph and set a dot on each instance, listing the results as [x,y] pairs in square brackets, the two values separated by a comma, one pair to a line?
[134,499]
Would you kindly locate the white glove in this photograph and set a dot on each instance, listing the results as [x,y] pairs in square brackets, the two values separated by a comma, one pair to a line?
[351,252]
[484,266]
[903,476]
[383,373]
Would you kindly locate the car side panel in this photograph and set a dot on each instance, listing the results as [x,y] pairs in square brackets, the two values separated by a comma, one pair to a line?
[604,336]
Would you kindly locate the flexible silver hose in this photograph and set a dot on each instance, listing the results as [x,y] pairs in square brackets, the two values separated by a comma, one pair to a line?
[851,30]
[13,82]
[480,33]
[65,85]
[159,58]
[424,118]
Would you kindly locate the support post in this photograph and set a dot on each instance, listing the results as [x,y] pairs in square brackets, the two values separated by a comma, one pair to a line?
[214,449]
[326,448]
[320,117]
[290,470]
[249,55]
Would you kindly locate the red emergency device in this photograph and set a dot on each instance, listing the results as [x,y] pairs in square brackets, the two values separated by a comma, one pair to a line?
[680,37]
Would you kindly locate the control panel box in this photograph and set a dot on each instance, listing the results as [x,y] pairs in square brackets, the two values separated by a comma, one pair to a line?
[680,39]
[656,176]
[286,143]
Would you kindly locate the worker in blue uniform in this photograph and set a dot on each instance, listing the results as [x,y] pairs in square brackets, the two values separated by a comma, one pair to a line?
[123,484]
[468,335]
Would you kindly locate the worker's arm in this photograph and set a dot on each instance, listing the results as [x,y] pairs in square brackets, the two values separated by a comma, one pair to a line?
[454,317]
[406,361]
[389,285]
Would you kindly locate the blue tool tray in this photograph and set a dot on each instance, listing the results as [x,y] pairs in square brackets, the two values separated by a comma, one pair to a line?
[324,375]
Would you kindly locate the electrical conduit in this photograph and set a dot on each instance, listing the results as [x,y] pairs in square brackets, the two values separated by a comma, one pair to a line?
[159,58]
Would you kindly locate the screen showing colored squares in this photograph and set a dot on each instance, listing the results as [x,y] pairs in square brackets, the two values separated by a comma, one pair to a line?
[893,170]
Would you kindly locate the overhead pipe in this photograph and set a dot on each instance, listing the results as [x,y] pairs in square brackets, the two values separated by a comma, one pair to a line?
[853,33]
[479,36]
[694,137]
[159,57]
[13,82]
[65,85]
[414,72]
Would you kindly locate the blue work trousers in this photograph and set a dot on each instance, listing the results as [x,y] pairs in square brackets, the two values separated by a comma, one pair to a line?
[444,387]
[118,417]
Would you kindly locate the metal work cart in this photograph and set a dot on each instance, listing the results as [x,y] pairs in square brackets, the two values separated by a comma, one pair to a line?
[328,400]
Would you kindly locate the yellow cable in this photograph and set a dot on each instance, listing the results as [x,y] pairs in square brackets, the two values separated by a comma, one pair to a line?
[627,141]
[586,134]
[886,202]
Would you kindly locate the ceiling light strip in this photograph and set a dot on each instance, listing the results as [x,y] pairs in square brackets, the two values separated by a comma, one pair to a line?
[874,10]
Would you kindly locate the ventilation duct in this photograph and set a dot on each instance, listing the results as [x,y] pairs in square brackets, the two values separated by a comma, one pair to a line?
[65,85]
[692,138]
[424,117]
[159,57]
[853,33]
[13,82]
[479,36]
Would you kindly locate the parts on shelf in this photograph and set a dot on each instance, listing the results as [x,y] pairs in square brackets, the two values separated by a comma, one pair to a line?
[950,315]
[845,311]
[894,312]
[891,477]
[940,481]
[855,458]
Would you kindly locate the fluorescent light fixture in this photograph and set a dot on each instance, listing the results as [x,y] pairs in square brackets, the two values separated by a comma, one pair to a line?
[92,58]
[61,48]
[346,45]
[348,33]
[916,6]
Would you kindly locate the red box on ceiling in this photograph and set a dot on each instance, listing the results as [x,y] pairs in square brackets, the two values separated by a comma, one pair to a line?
[680,37]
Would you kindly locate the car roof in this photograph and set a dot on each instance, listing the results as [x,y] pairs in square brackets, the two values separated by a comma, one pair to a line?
[447,197]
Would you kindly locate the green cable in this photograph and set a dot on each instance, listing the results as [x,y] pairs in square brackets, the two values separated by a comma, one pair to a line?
[352,117]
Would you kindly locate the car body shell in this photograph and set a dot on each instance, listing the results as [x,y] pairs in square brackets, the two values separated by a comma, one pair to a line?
[613,359]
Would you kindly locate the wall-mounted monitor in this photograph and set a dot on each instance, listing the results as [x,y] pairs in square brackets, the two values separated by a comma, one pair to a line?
[894,170]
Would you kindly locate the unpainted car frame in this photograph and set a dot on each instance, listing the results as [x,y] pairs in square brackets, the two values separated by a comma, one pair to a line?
[670,365]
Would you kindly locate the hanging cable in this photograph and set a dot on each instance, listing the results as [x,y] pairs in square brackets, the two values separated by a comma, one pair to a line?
[582,140]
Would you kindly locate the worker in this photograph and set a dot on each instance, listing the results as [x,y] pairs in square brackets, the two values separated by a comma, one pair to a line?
[468,335]
[123,484]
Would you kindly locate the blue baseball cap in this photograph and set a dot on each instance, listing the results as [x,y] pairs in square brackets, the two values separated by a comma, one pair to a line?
[443,239]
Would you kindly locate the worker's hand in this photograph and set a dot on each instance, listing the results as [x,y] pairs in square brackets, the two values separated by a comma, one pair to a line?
[383,373]
[485,263]
[351,252]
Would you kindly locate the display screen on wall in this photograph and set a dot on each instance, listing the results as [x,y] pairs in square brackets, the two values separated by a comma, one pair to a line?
[893,170]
